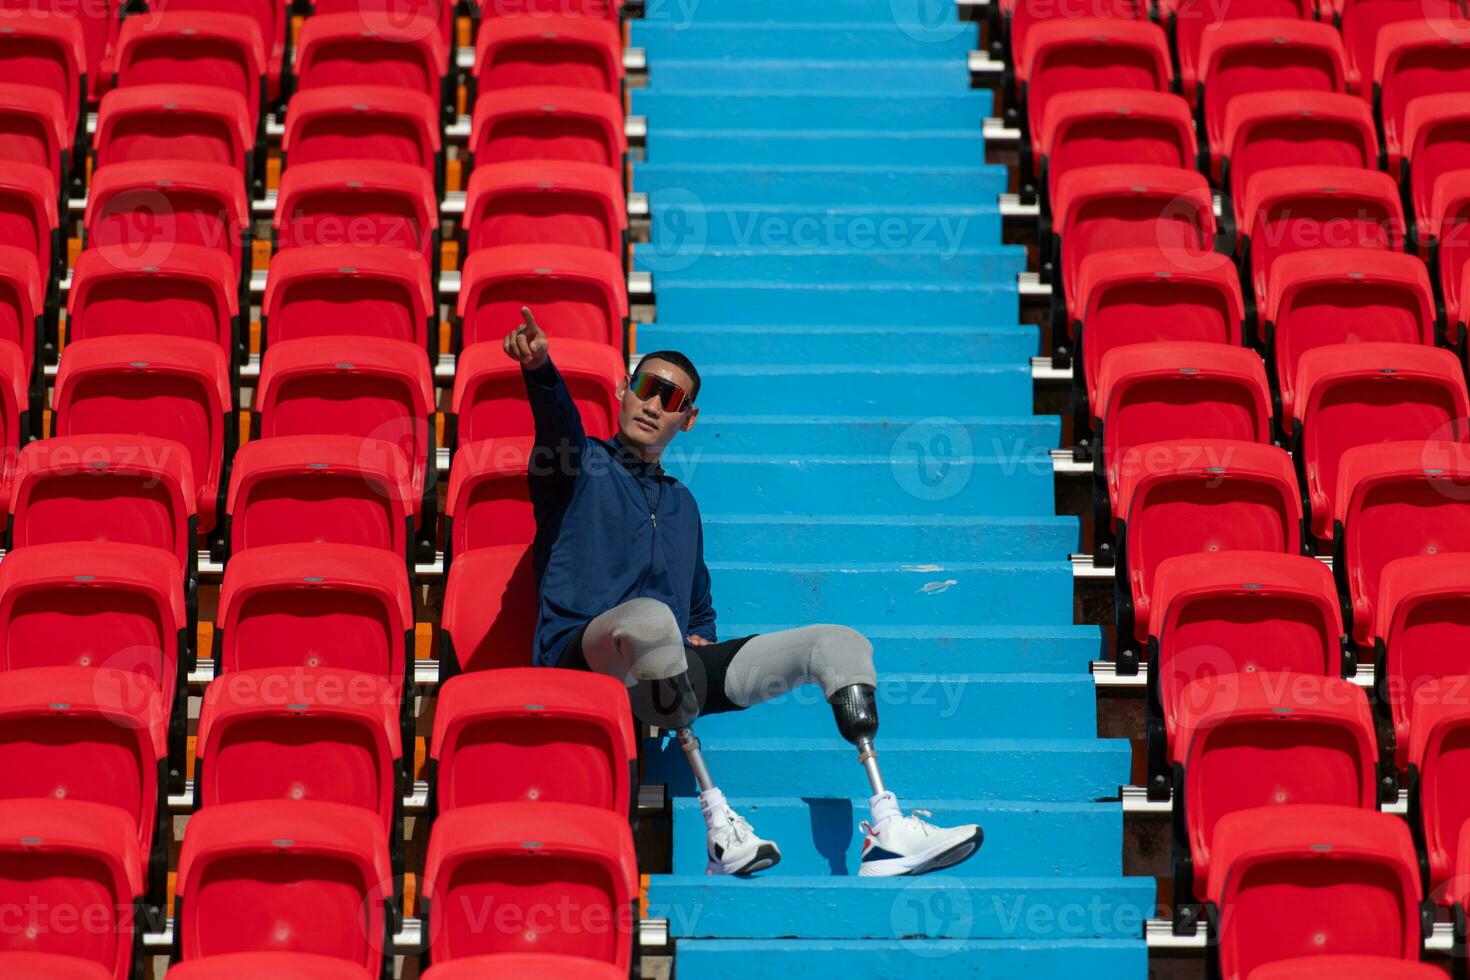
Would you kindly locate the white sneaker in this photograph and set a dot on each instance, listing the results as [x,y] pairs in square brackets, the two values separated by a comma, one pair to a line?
[733,847]
[894,844]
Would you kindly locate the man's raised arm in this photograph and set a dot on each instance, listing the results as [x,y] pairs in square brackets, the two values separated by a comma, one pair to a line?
[559,431]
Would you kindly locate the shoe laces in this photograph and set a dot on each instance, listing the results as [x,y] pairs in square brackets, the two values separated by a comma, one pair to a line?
[912,816]
[740,829]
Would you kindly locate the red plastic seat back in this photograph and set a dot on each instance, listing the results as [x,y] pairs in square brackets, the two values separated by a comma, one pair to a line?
[1417,59]
[489,399]
[1246,57]
[1064,55]
[1238,612]
[343,49]
[323,734]
[48,51]
[1439,748]
[278,966]
[569,51]
[148,207]
[549,123]
[22,298]
[524,856]
[526,964]
[297,876]
[575,746]
[490,607]
[489,501]
[1310,880]
[99,23]
[418,14]
[190,294]
[323,291]
[1363,22]
[1192,18]
[1317,129]
[1332,967]
[52,966]
[271,16]
[218,49]
[548,202]
[28,214]
[1269,739]
[377,204]
[63,855]
[33,126]
[174,122]
[580,293]
[362,122]
[1099,127]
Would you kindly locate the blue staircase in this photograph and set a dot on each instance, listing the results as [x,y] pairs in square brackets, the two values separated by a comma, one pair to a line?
[826,246]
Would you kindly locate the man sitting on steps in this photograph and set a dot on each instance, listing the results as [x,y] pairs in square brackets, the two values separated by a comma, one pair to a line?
[624,591]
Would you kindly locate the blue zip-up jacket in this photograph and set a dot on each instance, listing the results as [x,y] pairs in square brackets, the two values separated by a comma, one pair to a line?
[609,527]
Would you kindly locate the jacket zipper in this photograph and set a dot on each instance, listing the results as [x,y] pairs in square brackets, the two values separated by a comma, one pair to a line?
[653,535]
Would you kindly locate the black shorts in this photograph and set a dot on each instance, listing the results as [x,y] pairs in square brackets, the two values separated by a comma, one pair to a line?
[707,664]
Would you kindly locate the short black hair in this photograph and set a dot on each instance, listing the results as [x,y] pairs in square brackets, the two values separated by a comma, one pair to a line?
[678,360]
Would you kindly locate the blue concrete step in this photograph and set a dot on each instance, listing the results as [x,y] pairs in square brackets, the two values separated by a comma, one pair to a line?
[885,344]
[874,303]
[712,184]
[916,75]
[870,959]
[822,837]
[849,264]
[951,592]
[935,907]
[1007,648]
[1046,770]
[956,148]
[832,13]
[922,390]
[927,537]
[742,40]
[677,216]
[875,435]
[774,112]
[948,705]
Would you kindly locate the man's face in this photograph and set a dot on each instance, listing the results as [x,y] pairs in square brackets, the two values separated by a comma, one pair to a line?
[644,423]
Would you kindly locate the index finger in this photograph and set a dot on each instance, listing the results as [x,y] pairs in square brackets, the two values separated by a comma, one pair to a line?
[529,319]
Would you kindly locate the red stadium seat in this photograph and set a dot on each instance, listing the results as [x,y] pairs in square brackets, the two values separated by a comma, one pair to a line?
[373,203]
[175,122]
[1357,394]
[529,734]
[195,47]
[298,877]
[277,966]
[363,122]
[1236,613]
[1192,21]
[318,734]
[166,387]
[580,293]
[22,305]
[543,9]
[489,502]
[549,123]
[578,52]
[1364,21]
[271,16]
[332,489]
[522,964]
[1337,967]
[1142,295]
[96,605]
[33,128]
[1201,495]
[41,49]
[1437,754]
[489,397]
[1396,500]
[1416,59]
[1310,880]
[489,610]
[1435,141]
[1420,622]
[59,855]
[29,219]
[341,49]
[1099,127]
[133,489]
[1295,209]
[1065,55]
[545,202]
[191,291]
[1327,297]
[1164,391]
[51,966]
[298,608]
[99,22]
[149,206]
[1018,16]
[422,13]
[523,856]
[93,734]
[351,291]
[1317,129]
[1243,57]
[370,387]
[1101,208]
[1445,232]
[1269,739]
[15,407]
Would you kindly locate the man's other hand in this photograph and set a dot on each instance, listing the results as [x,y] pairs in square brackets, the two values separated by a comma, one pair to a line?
[526,343]
[697,641]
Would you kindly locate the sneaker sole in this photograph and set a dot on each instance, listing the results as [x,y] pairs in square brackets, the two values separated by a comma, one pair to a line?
[946,858]
[766,856]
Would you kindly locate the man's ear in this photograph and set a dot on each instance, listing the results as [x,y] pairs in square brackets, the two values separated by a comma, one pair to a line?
[621,391]
[688,422]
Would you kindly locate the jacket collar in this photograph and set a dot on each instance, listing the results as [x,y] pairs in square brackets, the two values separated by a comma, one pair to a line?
[630,459]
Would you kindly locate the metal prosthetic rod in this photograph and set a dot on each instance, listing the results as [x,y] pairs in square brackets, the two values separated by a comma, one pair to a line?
[856,709]
[690,745]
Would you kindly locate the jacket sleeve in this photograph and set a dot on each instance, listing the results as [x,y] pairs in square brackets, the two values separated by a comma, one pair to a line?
[559,436]
[701,606]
